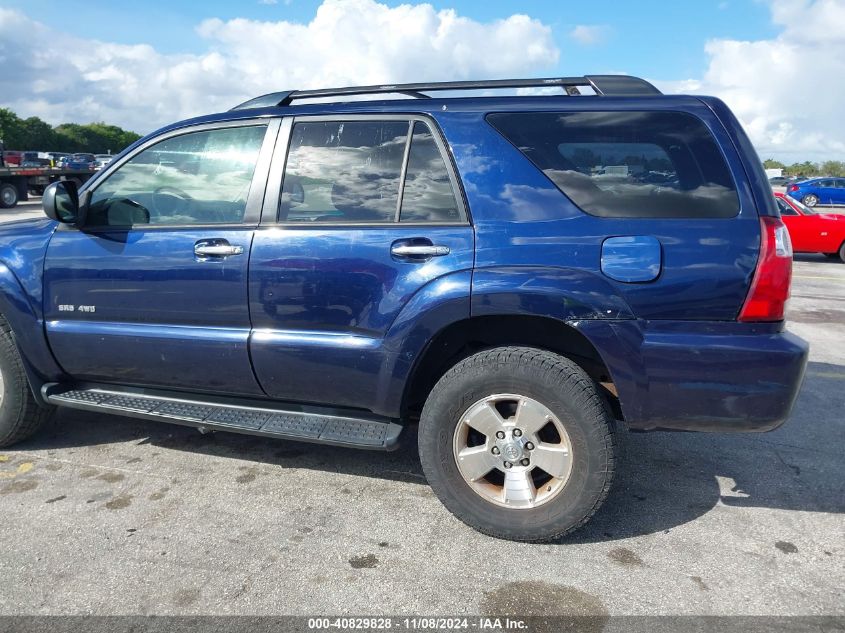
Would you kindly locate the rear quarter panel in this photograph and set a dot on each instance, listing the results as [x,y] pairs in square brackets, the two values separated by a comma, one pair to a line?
[523,220]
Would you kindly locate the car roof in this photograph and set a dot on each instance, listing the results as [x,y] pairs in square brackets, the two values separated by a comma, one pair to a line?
[435,105]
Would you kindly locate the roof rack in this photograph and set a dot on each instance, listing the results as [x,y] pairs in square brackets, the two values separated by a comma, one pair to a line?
[604,85]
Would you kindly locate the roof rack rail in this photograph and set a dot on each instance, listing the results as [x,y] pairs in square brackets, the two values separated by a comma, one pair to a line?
[604,85]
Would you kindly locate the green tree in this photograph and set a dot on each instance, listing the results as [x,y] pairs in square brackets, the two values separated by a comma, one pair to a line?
[35,134]
[38,134]
[10,129]
[833,168]
[771,163]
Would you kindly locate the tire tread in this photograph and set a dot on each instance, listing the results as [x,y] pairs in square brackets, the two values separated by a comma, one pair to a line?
[28,415]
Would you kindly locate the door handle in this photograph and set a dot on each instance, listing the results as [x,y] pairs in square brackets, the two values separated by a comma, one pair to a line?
[217,249]
[419,250]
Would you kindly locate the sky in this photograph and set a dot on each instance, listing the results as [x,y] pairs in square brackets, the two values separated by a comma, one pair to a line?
[777,63]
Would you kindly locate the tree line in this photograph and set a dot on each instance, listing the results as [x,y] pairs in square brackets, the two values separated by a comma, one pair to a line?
[807,168]
[33,134]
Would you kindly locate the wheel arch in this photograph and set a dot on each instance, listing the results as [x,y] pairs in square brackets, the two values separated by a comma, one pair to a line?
[463,338]
[27,330]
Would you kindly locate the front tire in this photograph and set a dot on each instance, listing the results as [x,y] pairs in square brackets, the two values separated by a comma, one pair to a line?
[810,200]
[20,414]
[518,444]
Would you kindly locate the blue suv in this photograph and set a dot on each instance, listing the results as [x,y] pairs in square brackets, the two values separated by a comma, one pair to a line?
[519,278]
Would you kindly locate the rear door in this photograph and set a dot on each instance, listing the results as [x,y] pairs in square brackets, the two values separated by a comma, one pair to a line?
[368,214]
[152,291]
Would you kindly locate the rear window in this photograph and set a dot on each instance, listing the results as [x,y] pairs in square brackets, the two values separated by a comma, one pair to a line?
[627,164]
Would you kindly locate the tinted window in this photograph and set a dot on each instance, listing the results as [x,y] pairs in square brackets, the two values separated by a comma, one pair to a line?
[428,195]
[196,178]
[824,183]
[785,209]
[343,171]
[627,164]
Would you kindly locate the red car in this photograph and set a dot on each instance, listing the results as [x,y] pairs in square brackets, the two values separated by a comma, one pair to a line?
[812,232]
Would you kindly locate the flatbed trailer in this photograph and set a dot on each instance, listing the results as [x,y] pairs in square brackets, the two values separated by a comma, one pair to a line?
[16,183]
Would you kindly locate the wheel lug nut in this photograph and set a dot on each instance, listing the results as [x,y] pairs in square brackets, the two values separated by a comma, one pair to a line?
[500,435]
[517,432]
[525,461]
[495,450]
[508,464]
[529,446]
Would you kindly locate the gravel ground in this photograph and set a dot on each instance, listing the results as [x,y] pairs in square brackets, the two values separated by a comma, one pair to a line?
[105,515]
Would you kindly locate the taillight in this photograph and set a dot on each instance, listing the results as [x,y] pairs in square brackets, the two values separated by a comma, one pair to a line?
[793,187]
[769,291]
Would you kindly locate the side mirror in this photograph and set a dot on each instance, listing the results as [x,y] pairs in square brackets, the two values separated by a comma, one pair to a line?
[61,202]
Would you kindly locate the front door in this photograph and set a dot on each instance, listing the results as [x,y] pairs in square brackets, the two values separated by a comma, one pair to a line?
[370,215]
[152,291]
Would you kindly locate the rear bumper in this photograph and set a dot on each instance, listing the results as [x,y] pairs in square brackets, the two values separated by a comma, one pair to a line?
[701,376]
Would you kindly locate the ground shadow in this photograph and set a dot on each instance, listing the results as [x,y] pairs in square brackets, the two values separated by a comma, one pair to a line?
[816,258]
[665,480]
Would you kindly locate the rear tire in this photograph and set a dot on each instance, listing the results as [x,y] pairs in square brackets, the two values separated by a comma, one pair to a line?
[810,200]
[8,195]
[842,253]
[20,415]
[563,425]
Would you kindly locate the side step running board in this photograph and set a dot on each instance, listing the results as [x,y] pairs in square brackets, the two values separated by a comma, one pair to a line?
[254,417]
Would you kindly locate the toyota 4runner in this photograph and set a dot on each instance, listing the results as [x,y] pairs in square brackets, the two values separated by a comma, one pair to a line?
[522,276]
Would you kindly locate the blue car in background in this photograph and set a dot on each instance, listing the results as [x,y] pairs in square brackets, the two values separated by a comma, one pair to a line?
[81,161]
[818,191]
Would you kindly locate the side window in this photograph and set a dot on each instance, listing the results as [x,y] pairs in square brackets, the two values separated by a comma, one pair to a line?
[824,184]
[627,164]
[195,178]
[785,209]
[428,195]
[343,171]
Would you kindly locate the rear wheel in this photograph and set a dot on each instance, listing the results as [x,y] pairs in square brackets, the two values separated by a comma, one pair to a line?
[810,199]
[842,252]
[518,443]
[8,195]
[20,415]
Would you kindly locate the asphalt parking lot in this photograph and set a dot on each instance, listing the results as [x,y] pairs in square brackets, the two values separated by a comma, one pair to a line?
[105,515]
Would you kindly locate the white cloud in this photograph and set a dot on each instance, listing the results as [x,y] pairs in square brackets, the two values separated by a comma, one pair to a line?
[787,91]
[590,34]
[60,77]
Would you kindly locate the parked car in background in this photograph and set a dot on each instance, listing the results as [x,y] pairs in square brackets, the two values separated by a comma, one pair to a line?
[59,158]
[818,191]
[12,158]
[102,160]
[780,181]
[81,161]
[35,159]
[812,232]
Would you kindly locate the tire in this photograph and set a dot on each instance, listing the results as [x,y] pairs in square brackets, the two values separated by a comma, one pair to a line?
[551,388]
[20,415]
[8,195]
[810,200]
[842,253]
